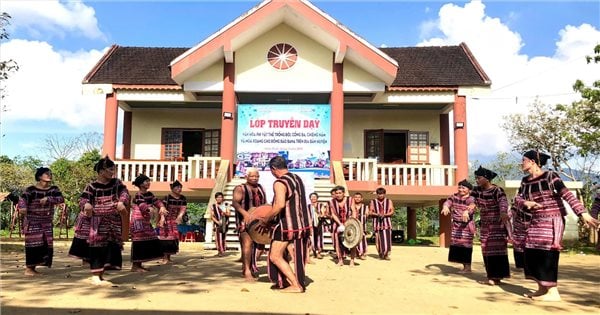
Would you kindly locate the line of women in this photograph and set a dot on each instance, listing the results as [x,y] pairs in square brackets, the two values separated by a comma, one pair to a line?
[98,239]
[534,224]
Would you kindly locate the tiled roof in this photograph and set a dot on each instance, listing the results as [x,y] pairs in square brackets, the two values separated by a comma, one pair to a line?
[436,66]
[135,65]
[447,66]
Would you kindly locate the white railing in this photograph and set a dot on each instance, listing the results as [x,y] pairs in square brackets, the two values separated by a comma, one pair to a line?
[168,171]
[398,174]
[360,169]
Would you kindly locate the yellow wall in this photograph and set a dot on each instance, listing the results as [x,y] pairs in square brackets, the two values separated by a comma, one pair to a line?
[356,121]
[312,71]
[147,125]
[356,79]
[210,75]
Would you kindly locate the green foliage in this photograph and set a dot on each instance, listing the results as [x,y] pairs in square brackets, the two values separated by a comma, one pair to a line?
[584,114]
[7,67]
[196,211]
[506,165]
[542,128]
[72,177]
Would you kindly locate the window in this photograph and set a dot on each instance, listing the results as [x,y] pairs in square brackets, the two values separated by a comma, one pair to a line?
[179,144]
[418,147]
[397,146]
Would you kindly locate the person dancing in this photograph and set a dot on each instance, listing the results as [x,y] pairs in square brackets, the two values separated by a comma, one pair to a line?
[542,194]
[37,206]
[168,234]
[104,201]
[290,212]
[463,227]
[145,245]
[493,208]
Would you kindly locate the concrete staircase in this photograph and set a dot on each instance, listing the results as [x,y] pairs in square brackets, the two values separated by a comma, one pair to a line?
[322,188]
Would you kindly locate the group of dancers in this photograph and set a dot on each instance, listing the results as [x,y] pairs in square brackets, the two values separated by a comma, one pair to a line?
[534,224]
[98,239]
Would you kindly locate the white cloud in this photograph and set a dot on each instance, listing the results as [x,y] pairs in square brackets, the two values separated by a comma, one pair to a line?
[44,19]
[48,85]
[517,79]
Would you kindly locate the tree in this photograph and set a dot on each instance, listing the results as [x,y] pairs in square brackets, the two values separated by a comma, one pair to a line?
[64,147]
[505,164]
[544,129]
[584,115]
[7,67]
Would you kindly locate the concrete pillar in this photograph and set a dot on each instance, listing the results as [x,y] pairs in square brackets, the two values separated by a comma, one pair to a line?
[445,227]
[111,107]
[228,125]
[411,223]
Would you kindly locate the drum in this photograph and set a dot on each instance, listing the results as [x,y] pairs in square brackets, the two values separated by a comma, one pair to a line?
[352,233]
[224,224]
[257,235]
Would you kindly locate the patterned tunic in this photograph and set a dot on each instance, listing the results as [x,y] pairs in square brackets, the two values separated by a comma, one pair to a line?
[361,215]
[594,213]
[547,223]
[37,223]
[462,232]
[217,213]
[293,225]
[249,200]
[140,225]
[175,207]
[381,207]
[343,212]
[317,214]
[294,221]
[491,203]
[105,223]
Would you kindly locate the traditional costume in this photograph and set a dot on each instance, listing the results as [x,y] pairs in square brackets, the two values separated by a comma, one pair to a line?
[461,244]
[493,234]
[168,234]
[382,226]
[292,225]
[37,222]
[145,245]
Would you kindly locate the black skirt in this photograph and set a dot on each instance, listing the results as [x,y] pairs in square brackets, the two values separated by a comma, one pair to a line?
[460,254]
[146,250]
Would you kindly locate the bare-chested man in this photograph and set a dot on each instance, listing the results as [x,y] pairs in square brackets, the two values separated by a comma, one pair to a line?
[292,227]
[245,196]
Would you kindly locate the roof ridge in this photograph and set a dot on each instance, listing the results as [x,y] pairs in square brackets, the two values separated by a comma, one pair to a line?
[100,62]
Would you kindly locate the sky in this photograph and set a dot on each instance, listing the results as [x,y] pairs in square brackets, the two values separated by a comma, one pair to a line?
[530,50]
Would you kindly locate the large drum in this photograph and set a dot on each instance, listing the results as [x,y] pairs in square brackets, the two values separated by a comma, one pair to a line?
[255,229]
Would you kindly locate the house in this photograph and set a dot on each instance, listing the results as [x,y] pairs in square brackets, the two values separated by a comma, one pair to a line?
[286,78]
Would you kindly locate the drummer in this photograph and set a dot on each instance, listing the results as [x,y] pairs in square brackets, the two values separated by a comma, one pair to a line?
[292,217]
[341,209]
[245,196]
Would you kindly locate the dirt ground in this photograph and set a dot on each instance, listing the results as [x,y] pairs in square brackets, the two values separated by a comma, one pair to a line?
[417,280]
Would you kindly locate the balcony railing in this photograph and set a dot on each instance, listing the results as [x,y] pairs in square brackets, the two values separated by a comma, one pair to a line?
[196,167]
[399,174]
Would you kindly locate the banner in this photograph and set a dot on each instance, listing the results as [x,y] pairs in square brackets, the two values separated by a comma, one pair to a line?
[299,133]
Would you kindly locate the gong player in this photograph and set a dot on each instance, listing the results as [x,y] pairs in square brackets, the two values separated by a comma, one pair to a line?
[341,210]
[292,226]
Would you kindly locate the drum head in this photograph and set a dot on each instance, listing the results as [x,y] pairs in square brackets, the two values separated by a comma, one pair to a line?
[352,233]
[253,227]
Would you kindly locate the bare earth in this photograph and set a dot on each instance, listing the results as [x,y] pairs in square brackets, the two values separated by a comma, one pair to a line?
[417,280]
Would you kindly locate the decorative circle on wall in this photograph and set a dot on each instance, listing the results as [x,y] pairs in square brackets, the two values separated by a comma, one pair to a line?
[282,56]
